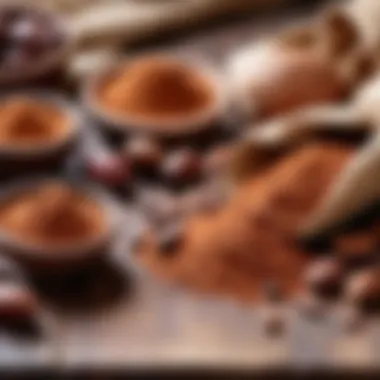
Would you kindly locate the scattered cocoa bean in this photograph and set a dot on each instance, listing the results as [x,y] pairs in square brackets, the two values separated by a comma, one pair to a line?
[363,287]
[110,170]
[324,276]
[16,301]
[143,153]
[181,167]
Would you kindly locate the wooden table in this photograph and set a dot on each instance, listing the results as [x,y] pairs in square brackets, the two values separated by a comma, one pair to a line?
[119,318]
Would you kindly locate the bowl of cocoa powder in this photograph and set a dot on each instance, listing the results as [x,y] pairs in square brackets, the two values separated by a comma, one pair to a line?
[35,42]
[35,130]
[51,223]
[158,94]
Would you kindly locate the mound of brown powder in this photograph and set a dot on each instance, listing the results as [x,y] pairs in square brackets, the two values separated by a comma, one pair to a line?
[25,121]
[252,240]
[156,88]
[52,214]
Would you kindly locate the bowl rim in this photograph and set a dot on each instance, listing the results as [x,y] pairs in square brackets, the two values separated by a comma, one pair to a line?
[45,148]
[53,58]
[188,125]
[62,253]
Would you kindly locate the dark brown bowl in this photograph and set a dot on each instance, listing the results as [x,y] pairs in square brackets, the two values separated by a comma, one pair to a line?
[15,160]
[61,258]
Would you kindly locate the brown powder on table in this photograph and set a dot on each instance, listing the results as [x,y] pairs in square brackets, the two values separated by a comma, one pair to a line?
[25,121]
[252,240]
[52,214]
[157,88]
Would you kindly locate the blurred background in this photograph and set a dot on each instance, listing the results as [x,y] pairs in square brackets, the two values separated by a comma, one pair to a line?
[117,320]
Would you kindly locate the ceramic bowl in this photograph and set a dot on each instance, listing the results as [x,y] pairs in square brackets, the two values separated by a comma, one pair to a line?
[51,62]
[20,159]
[189,125]
[60,258]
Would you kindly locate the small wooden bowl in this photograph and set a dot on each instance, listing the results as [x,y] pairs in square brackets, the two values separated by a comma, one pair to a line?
[60,259]
[194,124]
[16,160]
[53,61]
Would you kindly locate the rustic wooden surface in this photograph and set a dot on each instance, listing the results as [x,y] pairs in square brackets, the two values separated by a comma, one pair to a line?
[118,316]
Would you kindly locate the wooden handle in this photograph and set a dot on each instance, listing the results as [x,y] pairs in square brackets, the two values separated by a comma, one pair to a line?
[129,21]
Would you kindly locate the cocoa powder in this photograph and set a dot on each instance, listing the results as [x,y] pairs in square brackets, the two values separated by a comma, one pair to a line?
[253,238]
[24,121]
[52,214]
[156,88]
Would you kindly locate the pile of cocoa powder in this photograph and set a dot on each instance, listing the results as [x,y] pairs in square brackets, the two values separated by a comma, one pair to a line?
[157,88]
[251,241]
[24,121]
[52,214]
